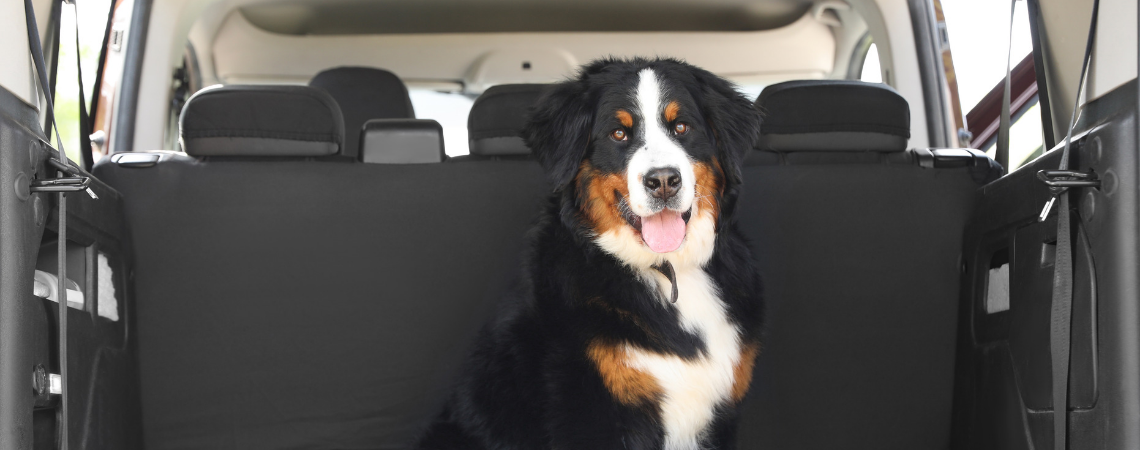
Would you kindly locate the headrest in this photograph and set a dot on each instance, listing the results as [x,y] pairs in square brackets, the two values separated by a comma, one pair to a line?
[497,118]
[261,121]
[401,141]
[831,115]
[364,93]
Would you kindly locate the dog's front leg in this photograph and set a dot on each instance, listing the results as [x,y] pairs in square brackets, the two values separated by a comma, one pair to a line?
[584,415]
[722,431]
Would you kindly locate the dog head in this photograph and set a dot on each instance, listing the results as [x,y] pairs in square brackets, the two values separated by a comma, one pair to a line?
[646,154]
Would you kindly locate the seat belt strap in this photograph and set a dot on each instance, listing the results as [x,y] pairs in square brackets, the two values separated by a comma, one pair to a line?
[1060,332]
[1002,152]
[61,243]
[102,63]
[41,71]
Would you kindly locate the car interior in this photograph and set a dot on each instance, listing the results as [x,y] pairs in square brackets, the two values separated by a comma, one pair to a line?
[304,211]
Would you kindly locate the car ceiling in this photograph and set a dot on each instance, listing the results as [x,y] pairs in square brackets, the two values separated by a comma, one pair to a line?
[463,16]
[472,45]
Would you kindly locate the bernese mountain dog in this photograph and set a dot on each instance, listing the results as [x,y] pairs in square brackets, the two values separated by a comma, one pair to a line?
[638,320]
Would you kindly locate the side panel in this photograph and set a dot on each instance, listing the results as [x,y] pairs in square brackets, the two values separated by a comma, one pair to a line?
[1003,396]
[102,382]
[23,330]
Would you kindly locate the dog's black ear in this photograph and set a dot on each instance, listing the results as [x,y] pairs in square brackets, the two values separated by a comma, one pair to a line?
[735,125]
[733,119]
[558,130]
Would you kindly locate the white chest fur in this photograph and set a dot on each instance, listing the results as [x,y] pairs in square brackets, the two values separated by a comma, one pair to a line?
[693,388]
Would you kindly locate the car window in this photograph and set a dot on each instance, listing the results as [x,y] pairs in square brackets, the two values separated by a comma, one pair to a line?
[1026,138]
[450,109]
[92,23]
[871,72]
[979,31]
[751,90]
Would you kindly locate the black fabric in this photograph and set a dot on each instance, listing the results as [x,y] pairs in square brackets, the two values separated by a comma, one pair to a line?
[832,141]
[498,117]
[364,93]
[244,120]
[311,304]
[402,141]
[860,265]
[801,108]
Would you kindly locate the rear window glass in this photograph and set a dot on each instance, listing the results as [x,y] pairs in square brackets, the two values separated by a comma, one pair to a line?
[450,109]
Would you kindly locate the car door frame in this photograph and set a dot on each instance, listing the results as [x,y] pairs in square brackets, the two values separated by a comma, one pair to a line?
[102,383]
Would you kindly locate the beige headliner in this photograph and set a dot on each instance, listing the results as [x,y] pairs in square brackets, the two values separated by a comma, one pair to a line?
[208,22]
[1065,25]
[508,16]
[243,53]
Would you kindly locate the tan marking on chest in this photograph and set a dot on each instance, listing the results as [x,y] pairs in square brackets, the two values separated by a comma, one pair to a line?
[692,388]
[742,375]
[627,384]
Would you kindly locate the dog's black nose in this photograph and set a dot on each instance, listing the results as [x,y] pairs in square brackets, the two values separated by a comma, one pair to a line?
[662,183]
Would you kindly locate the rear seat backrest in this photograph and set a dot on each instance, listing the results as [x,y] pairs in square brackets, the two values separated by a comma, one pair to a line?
[364,93]
[858,242]
[261,121]
[300,302]
[402,141]
[497,118]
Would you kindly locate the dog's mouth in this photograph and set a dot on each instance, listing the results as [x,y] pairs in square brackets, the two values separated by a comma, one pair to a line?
[663,231]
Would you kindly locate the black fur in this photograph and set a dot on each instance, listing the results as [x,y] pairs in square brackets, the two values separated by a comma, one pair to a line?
[529,383]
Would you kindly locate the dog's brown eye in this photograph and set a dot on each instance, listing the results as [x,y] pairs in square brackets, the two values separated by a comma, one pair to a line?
[681,128]
[618,135]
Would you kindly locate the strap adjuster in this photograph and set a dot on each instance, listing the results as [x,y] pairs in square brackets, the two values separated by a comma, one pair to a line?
[75,183]
[66,184]
[1060,181]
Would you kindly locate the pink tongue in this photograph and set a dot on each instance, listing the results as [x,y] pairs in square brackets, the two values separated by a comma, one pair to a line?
[664,231]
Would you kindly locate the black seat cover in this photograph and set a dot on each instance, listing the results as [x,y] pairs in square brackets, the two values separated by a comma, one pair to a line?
[290,302]
[825,115]
[241,120]
[858,243]
[497,118]
[364,93]
[402,141]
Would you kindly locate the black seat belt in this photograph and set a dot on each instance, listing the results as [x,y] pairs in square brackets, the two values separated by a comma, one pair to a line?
[1059,181]
[69,179]
[1001,151]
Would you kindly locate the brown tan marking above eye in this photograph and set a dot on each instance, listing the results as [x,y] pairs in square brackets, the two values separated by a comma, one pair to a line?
[625,118]
[671,111]
[681,128]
